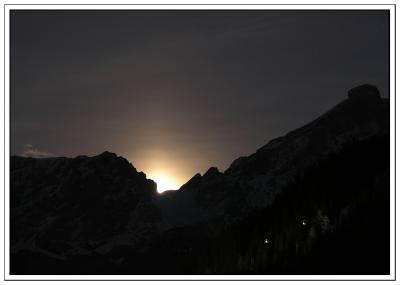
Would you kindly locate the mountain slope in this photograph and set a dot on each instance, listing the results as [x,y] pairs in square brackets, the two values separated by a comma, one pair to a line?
[68,206]
[332,219]
[252,182]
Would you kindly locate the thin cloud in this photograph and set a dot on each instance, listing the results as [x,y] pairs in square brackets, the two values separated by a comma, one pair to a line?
[30,151]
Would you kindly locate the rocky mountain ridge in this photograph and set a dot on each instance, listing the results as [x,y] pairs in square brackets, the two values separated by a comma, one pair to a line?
[67,206]
[96,206]
[252,182]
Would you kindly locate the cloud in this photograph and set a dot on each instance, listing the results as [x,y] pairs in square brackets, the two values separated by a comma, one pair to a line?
[30,151]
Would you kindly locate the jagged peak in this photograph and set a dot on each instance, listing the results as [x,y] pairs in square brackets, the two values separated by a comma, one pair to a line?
[212,172]
[196,179]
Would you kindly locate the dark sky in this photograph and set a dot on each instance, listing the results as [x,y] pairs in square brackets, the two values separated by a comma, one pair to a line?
[176,92]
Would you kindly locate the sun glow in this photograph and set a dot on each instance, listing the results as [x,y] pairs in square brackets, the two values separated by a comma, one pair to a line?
[164,182]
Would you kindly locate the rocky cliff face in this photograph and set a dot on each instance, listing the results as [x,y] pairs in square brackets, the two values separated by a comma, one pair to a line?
[67,206]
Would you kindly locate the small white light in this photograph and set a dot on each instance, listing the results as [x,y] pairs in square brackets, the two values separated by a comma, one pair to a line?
[304,223]
[266,241]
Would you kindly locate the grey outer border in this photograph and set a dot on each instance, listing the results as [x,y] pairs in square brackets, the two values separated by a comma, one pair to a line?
[4,58]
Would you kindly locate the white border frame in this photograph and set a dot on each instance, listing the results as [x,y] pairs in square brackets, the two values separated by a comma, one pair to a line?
[6,107]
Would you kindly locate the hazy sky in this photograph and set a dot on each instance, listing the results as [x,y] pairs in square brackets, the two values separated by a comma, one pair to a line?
[176,92]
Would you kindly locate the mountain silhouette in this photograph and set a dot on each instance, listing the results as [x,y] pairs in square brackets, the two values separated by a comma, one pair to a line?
[253,182]
[301,204]
[67,206]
